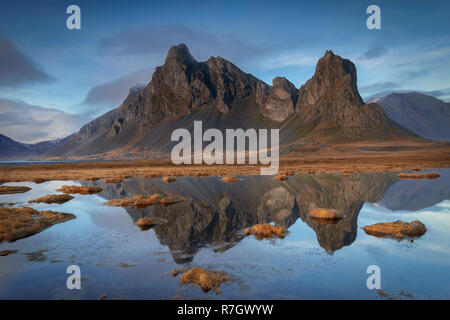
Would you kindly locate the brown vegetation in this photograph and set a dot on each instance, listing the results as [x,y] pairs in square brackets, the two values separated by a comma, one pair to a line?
[229,179]
[13,189]
[327,214]
[281,177]
[18,223]
[206,280]
[429,175]
[169,179]
[40,180]
[350,157]
[53,198]
[265,231]
[80,189]
[140,201]
[397,229]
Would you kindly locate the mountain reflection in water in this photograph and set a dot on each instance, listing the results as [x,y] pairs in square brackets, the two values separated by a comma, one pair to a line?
[214,213]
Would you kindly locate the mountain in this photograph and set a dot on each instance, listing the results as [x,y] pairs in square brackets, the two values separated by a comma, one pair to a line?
[10,148]
[425,115]
[328,107]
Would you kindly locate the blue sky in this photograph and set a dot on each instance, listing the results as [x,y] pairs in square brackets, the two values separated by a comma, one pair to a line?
[62,78]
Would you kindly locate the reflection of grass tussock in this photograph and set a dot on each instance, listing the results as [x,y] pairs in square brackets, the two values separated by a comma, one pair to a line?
[5,253]
[328,214]
[429,175]
[13,189]
[397,229]
[53,198]
[206,280]
[265,231]
[148,223]
[113,180]
[140,201]
[229,179]
[19,223]
[169,179]
[80,189]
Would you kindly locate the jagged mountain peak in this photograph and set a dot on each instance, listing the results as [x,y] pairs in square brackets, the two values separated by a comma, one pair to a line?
[334,79]
[180,53]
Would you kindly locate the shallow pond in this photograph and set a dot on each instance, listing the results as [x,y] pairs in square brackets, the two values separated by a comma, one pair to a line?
[314,260]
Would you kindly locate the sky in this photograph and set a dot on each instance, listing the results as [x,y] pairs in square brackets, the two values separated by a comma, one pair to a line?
[53,80]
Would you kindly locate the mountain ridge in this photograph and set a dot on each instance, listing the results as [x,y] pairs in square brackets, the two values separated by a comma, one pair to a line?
[327,107]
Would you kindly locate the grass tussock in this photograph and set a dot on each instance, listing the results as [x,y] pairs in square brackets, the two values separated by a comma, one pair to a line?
[397,229]
[327,214]
[206,280]
[265,231]
[140,201]
[229,179]
[19,223]
[52,198]
[80,189]
[414,176]
[40,180]
[169,179]
[148,223]
[13,189]
[281,177]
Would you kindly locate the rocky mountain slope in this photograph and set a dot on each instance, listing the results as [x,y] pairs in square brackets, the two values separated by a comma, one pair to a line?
[425,115]
[328,107]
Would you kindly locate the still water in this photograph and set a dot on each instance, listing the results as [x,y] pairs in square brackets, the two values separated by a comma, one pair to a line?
[314,261]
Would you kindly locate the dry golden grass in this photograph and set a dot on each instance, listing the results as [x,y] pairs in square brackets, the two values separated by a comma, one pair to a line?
[175,272]
[397,229]
[140,201]
[414,176]
[206,280]
[13,189]
[229,179]
[40,180]
[53,198]
[148,223]
[428,157]
[19,223]
[265,231]
[281,177]
[327,214]
[169,179]
[80,189]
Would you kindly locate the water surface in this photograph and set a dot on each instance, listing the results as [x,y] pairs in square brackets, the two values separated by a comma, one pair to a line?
[314,261]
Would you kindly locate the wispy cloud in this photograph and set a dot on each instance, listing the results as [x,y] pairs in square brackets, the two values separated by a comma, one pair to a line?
[28,123]
[158,39]
[114,92]
[16,69]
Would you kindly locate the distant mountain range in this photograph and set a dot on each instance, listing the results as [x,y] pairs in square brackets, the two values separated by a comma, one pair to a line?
[425,115]
[327,108]
[10,148]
